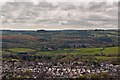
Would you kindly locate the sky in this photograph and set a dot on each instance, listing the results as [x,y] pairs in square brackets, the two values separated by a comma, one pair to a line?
[58,14]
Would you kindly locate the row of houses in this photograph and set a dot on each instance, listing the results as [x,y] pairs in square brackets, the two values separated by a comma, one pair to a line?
[55,70]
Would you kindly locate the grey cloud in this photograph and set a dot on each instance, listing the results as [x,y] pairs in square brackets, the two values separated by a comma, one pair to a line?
[45,13]
[46,6]
[95,6]
[67,6]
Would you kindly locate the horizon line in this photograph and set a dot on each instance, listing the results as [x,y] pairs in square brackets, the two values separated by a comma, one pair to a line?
[51,29]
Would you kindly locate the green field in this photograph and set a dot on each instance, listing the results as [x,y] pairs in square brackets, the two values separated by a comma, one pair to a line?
[82,51]
[21,50]
[110,53]
[105,58]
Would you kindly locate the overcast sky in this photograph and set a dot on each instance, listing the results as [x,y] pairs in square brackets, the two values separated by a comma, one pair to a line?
[47,14]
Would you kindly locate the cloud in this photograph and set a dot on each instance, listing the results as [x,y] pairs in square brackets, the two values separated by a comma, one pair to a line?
[78,15]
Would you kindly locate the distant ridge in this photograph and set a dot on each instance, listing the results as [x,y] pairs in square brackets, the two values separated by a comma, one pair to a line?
[42,30]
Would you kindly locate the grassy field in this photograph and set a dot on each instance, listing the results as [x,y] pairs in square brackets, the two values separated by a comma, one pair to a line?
[105,58]
[77,51]
[110,53]
[21,50]
[82,51]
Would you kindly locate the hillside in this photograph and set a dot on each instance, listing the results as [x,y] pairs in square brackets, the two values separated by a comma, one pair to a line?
[42,40]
